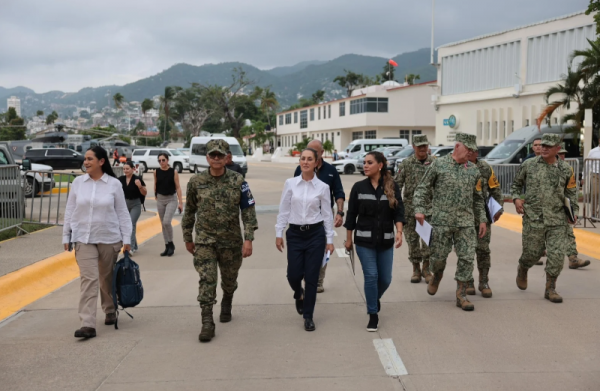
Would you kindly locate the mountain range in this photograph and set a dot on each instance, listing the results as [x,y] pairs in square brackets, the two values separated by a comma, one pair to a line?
[289,82]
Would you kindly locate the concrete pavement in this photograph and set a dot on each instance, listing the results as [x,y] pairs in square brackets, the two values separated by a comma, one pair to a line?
[514,341]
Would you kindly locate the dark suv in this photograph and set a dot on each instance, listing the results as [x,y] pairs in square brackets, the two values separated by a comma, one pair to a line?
[57,158]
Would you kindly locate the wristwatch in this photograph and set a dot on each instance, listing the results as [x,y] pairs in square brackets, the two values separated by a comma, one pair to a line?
[340,213]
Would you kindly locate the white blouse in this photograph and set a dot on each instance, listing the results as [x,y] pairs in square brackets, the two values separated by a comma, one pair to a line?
[97,212]
[304,203]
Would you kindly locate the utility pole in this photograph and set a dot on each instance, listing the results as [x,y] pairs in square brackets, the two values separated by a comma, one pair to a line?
[432,28]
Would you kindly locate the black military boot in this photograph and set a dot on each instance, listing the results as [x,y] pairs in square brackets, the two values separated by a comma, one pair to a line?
[164,253]
[208,325]
[170,249]
[226,308]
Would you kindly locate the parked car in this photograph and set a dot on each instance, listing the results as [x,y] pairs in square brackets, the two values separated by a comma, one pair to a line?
[147,158]
[198,160]
[483,151]
[357,147]
[360,164]
[185,151]
[441,151]
[345,166]
[57,158]
[393,156]
[41,177]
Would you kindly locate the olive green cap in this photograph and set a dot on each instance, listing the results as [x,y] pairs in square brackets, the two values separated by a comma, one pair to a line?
[218,145]
[469,140]
[562,148]
[419,140]
[551,139]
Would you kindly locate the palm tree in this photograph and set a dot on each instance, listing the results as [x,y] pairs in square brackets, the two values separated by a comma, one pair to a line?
[268,102]
[570,91]
[165,103]
[147,105]
[118,100]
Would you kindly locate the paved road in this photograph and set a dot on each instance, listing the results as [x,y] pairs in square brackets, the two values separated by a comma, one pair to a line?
[514,341]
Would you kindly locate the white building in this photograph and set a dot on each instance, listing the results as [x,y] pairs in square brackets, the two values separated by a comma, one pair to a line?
[391,110]
[14,102]
[493,85]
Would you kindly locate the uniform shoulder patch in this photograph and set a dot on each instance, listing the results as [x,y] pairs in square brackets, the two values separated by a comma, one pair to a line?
[478,187]
[493,181]
[572,182]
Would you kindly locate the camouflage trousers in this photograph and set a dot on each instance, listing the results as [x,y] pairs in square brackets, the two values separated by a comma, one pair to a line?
[464,240]
[535,239]
[418,251]
[206,259]
[572,245]
[482,251]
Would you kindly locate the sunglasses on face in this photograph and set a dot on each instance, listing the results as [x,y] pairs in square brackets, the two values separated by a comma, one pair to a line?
[162,160]
[216,155]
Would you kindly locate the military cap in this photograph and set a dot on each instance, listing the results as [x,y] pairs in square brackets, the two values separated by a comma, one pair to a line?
[420,140]
[550,139]
[469,140]
[218,145]
[562,148]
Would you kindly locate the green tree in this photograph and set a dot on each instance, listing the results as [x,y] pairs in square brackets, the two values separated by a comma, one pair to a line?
[165,103]
[318,96]
[268,103]
[11,126]
[594,6]
[388,73]
[118,100]
[302,144]
[352,81]
[147,105]
[411,78]
[85,114]
[328,147]
[39,113]
[51,118]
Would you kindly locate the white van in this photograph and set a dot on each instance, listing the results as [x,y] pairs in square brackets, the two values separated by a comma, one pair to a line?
[358,147]
[198,160]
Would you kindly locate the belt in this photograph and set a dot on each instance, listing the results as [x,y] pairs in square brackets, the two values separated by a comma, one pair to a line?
[307,227]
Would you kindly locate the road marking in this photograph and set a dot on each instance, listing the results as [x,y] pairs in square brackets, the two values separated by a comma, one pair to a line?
[341,253]
[389,357]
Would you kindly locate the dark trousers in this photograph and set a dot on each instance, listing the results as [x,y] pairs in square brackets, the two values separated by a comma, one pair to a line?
[305,251]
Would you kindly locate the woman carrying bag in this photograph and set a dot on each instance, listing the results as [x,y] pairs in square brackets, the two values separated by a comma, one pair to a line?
[375,207]
[306,206]
[98,223]
[135,192]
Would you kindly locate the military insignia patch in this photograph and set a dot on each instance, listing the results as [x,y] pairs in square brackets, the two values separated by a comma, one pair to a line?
[493,181]
[572,183]
[478,187]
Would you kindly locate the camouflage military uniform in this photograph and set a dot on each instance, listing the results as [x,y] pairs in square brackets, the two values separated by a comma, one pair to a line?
[545,223]
[410,173]
[213,209]
[455,194]
[490,188]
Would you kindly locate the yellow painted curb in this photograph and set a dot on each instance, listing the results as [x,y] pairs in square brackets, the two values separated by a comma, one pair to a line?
[24,286]
[588,243]
[57,190]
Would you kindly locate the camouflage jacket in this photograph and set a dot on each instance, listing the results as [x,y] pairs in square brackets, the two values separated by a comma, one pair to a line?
[547,186]
[410,173]
[454,192]
[490,186]
[213,208]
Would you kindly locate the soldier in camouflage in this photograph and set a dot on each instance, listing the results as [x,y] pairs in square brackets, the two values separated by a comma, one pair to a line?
[214,200]
[452,186]
[574,261]
[410,173]
[490,187]
[550,184]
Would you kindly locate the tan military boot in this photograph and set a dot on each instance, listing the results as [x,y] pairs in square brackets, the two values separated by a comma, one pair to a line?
[425,272]
[208,325]
[471,288]
[416,276]
[484,287]
[226,308]
[576,263]
[551,293]
[461,296]
[434,283]
[522,278]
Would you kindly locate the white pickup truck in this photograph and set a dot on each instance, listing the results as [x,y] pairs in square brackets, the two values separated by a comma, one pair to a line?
[41,176]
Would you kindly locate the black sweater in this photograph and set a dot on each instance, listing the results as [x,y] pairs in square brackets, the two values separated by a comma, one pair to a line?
[370,216]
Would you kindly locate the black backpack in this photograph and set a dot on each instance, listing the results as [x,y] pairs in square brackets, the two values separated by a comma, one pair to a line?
[127,289]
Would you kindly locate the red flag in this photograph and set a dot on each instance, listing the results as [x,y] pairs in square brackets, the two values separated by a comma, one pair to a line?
[394,63]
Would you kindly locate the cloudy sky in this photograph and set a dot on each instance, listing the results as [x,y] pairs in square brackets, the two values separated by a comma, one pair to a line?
[70,44]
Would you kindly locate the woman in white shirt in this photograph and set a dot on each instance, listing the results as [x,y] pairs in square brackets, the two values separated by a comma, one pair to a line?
[306,206]
[98,224]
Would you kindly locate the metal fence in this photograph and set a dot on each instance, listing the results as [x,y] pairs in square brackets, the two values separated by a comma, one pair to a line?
[49,193]
[591,191]
[12,201]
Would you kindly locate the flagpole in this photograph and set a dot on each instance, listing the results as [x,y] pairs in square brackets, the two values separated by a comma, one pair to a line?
[432,28]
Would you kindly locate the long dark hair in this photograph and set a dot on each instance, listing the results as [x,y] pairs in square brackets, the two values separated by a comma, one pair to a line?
[102,154]
[388,183]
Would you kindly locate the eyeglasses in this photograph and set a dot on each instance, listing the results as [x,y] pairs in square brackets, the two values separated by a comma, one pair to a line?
[216,155]
[162,160]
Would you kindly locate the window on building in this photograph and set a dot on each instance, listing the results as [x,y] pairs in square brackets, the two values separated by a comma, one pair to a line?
[342,109]
[281,120]
[480,130]
[504,129]
[371,134]
[332,138]
[288,118]
[326,136]
[357,135]
[329,111]
[321,136]
[296,117]
[405,134]
[369,105]
[303,119]
[319,110]
[296,139]
[526,122]
[312,114]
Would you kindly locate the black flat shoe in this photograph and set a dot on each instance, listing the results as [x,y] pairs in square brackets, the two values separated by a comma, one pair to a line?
[309,325]
[373,322]
[300,306]
[85,332]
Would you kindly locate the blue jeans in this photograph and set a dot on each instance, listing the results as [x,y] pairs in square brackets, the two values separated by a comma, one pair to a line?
[377,269]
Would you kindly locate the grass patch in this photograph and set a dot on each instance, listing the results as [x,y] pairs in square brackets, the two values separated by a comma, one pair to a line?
[29,227]
[65,178]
